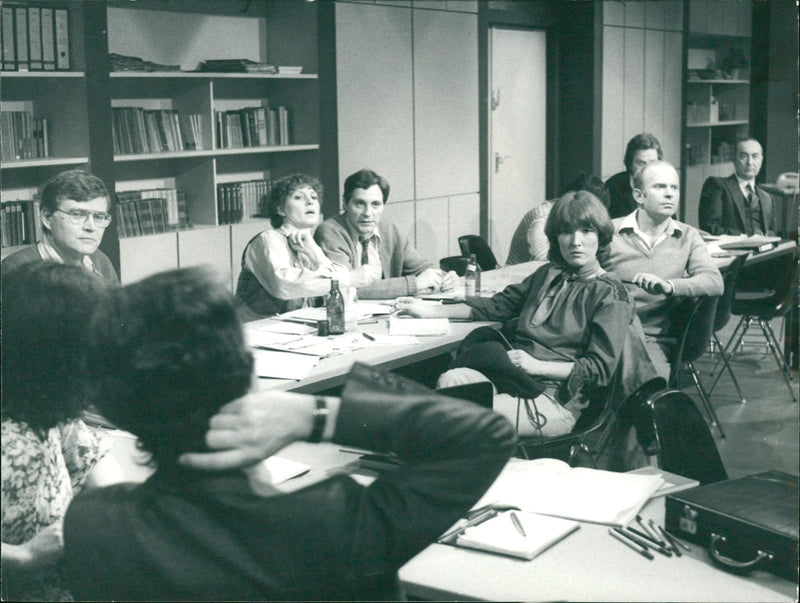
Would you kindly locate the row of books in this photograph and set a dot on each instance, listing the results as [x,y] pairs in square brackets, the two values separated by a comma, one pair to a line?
[237,200]
[22,136]
[151,211]
[252,127]
[137,130]
[20,222]
[34,38]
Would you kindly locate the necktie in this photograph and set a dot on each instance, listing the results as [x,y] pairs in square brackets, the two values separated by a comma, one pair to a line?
[752,200]
[364,252]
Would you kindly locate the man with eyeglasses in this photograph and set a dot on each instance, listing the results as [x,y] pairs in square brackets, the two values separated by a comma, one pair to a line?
[74,213]
[736,205]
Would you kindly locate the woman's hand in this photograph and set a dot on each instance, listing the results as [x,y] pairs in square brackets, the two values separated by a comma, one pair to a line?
[525,361]
[418,308]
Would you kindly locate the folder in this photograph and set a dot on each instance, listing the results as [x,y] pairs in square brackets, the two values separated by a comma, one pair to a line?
[48,40]
[21,17]
[9,44]
[35,39]
[62,39]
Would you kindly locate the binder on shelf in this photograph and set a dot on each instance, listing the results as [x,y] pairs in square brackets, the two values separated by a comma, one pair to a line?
[9,42]
[62,39]
[35,39]
[48,40]
[21,20]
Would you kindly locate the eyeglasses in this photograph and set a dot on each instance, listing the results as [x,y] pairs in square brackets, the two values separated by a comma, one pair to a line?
[79,216]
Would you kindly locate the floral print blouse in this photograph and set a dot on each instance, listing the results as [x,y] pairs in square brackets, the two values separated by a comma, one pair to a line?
[40,477]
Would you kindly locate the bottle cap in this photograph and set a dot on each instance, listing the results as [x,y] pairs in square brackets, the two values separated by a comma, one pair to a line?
[323,328]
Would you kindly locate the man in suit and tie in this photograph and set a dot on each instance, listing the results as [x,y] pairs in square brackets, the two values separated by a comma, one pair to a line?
[735,205]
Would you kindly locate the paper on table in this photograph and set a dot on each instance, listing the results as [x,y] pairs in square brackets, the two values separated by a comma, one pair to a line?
[672,481]
[269,325]
[283,365]
[275,470]
[399,325]
[552,487]
[393,339]
[325,346]
[499,535]
[314,315]
[257,338]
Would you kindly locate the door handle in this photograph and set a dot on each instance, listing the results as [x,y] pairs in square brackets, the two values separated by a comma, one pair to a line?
[498,159]
[495,99]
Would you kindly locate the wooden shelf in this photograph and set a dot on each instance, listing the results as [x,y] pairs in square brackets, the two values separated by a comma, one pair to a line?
[216,152]
[723,81]
[44,162]
[41,74]
[714,124]
[209,75]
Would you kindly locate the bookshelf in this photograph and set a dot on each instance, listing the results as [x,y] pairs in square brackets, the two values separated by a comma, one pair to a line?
[133,130]
[716,92]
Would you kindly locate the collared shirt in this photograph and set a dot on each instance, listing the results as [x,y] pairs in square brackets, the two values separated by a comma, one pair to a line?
[48,252]
[373,246]
[753,212]
[631,223]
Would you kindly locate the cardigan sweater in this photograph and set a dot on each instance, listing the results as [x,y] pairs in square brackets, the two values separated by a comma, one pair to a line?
[102,265]
[207,536]
[400,261]
[681,258]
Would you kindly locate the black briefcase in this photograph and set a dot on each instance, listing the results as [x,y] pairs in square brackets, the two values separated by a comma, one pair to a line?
[746,523]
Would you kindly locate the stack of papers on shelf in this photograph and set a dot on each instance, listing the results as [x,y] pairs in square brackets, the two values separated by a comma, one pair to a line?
[552,487]
[290,69]
[500,535]
[403,325]
[283,365]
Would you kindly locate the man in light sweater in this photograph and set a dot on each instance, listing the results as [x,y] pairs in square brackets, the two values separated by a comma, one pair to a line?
[659,258]
[357,238]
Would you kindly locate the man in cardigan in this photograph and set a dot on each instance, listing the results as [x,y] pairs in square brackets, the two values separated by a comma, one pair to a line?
[357,238]
[735,205]
[74,214]
[660,258]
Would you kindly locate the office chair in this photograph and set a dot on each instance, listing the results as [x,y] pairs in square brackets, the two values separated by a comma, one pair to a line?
[476,244]
[693,336]
[456,263]
[481,393]
[721,319]
[778,268]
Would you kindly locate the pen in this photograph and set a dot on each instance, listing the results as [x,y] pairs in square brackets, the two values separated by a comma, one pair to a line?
[368,336]
[479,518]
[517,524]
[678,541]
[672,542]
[651,531]
[630,544]
[656,530]
[644,543]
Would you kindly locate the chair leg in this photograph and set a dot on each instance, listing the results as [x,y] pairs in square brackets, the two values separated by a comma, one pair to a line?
[726,359]
[728,350]
[772,342]
[704,398]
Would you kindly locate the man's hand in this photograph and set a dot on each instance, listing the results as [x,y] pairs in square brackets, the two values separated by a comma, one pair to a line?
[652,283]
[429,280]
[248,430]
[449,281]
[418,308]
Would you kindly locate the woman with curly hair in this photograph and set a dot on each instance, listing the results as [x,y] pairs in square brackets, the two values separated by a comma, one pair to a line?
[283,268]
[48,453]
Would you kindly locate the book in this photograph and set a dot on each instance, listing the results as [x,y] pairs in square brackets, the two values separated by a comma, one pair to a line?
[499,534]
[755,243]
[672,481]
[62,38]
[35,38]
[401,325]
[48,40]
[552,487]
[21,16]
[9,43]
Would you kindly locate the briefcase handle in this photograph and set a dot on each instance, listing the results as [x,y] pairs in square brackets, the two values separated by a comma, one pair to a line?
[733,563]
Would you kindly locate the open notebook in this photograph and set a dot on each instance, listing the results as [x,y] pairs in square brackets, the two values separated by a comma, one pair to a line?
[552,487]
[500,535]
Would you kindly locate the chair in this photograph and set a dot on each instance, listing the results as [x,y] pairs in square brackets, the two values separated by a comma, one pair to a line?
[456,263]
[681,439]
[480,393]
[722,317]
[761,304]
[693,336]
[476,244]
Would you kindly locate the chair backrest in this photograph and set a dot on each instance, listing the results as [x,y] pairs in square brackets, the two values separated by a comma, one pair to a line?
[685,444]
[773,272]
[729,277]
[694,334]
[480,393]
[476,244]
[456,263]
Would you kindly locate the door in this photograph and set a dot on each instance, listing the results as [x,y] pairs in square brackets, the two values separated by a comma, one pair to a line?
[517,127]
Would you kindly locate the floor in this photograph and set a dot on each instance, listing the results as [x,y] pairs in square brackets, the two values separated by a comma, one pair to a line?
[763,433]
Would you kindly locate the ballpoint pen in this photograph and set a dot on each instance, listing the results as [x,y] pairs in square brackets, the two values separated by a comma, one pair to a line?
[517,524]
[629,543]
[646,544]
[647,529]
[368,336]
[672,542]
[479,518]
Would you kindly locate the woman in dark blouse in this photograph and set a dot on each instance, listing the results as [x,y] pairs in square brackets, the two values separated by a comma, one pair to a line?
[571,323]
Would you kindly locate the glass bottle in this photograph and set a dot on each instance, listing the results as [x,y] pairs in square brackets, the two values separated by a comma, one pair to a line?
[471,277]
[334,308]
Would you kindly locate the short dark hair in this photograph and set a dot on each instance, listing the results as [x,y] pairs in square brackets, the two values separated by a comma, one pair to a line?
[575,210]
[641,142]
[166,353]
[77,185]
[589,182]
[47,308]
[741,139]
[281,190]
[364,179]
